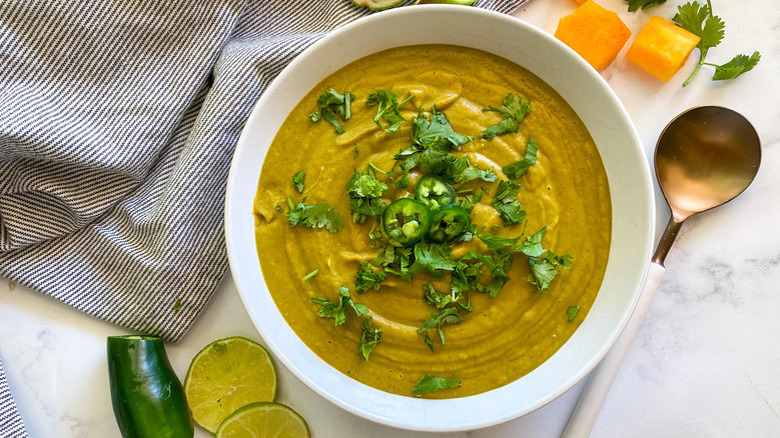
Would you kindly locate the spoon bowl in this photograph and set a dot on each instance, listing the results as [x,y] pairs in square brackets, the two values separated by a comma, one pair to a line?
[704,158]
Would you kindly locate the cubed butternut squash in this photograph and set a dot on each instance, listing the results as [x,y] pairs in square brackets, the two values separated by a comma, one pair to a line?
[661,48]
[580,2]
[597,34]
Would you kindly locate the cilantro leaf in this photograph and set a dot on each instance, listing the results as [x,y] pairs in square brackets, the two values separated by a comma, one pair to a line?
[396,260]
[297,181]
[338,310]
[369,338]
[446,165]
[431,383]
[738,65]
[494,242]
[698,20]
[505,126]
[321,215]
[366,278]
[433,258]
[437,320]
[572,312]
[387,108]
[497,265]
[330,104]
[473,173]
[506,204]
[514,108]
[532,246]
[634,5]
[365,191]
[518,168]
[440,300]
[544,269]
[436,132]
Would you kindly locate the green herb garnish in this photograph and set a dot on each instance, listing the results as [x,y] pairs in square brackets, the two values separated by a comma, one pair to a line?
[518,168]
[369,338]
[634,5]
[365,191]
[545,269]
[387,108]
[338,310]
[699,20]
[310,275]
[321,215]
[447,316]
[572,312]
[506,204]
[431,383]
[440,300]
[177,305]
[330,104]
[297,181]
[514,108]
[366,278]
[433,257]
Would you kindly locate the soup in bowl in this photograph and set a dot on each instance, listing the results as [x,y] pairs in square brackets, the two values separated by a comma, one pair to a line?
[428,229]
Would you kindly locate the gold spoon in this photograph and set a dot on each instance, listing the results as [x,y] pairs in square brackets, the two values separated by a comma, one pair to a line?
[704,158]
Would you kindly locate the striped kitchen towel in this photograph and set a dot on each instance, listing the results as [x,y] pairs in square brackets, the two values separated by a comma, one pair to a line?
[11,425]
[117,124]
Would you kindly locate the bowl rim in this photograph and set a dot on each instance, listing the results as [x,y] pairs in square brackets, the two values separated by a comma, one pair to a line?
[237,269]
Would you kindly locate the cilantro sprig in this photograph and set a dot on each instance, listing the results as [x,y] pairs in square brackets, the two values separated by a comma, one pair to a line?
[635,5]
[338,310]
[370,337]
[387,108]
[320,215]
[430,383]
[514,108]
[700,20]
[365,192]
[330,104]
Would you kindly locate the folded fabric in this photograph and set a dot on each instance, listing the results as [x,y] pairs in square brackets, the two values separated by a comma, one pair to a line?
[11,425]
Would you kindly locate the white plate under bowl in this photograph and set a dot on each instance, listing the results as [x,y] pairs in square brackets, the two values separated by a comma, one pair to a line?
[621,151]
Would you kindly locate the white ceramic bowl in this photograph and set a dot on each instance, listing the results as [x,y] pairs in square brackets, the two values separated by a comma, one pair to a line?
[609,124]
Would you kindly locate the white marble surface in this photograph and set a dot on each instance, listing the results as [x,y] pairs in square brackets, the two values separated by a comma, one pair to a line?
[705,363]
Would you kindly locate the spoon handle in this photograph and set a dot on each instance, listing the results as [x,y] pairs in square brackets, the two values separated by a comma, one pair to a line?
[587,411]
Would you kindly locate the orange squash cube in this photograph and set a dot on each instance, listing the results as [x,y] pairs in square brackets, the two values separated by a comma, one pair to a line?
[597,34]
[661,48]
[580,2]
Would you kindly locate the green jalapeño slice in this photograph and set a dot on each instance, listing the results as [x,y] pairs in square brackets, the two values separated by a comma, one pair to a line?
[448,224]
[434,192]
[406,221]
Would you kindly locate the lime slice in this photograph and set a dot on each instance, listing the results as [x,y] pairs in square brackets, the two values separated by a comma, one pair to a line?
[263,420]
[226,375]
[377,5]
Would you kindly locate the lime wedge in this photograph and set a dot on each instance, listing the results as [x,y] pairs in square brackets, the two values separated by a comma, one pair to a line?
[377,5]
[226,375]
[263,420]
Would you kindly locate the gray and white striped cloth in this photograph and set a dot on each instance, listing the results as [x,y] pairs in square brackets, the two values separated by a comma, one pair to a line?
[117,124]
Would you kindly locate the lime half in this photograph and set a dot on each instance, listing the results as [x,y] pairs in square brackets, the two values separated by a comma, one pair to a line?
[264,420]
[226,375]
[377,5]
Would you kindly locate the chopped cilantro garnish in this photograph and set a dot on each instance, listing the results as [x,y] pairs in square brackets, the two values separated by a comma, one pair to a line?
[433,258]
[431,383]
[321,215]
[518,168]
[506,204]
[177,305]
[297,181]
[532,246]
[545,269]
[366,278]
[572,312]
[387,108]
[465,276]
[437,320]
[473,173]
[369,338]
[365,191]
[440,300]
[310,275]
[514,109]
[330,104]
[494,242]
[436,132]
[338,310]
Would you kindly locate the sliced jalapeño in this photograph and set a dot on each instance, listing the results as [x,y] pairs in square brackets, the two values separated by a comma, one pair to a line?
[448,224]
[406,221]
[435,192]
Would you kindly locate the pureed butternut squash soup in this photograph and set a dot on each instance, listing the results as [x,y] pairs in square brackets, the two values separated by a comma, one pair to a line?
[493,257]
